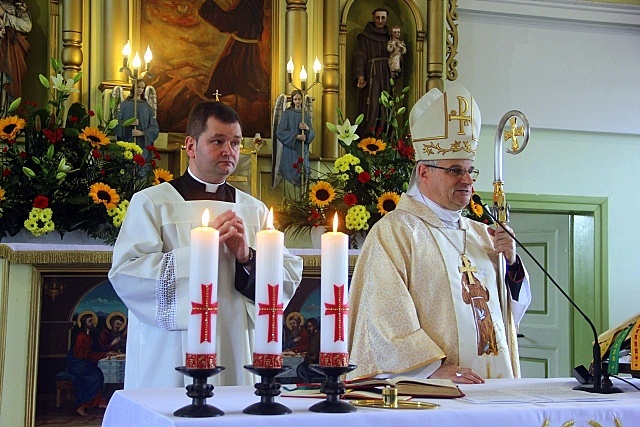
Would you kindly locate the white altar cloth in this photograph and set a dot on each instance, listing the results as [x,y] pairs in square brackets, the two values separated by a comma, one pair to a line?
[509,403]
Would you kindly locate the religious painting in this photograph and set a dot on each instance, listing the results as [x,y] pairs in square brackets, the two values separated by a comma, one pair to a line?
[81,320]
[207,50]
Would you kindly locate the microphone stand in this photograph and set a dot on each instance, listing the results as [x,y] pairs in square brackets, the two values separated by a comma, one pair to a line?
[599,385]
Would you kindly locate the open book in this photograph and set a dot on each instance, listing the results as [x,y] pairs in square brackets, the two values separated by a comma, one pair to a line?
[408,386]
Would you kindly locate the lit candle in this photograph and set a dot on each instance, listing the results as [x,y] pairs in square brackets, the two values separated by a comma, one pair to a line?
[334,295]
[316,68]
[203,294]
[126,51]
[303,78]
[136,63]
[148,56]
[269,304]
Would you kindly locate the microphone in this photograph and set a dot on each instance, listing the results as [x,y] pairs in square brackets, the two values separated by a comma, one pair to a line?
[599,385]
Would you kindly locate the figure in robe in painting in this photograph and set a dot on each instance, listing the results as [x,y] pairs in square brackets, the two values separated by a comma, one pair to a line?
[145,130]
[15,23]
[477,296]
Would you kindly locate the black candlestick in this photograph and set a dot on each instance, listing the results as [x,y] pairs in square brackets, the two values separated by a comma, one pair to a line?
[333,388]
[199,391]
[267,389]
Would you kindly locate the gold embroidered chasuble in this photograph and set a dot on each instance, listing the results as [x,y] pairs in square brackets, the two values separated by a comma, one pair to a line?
[410,308]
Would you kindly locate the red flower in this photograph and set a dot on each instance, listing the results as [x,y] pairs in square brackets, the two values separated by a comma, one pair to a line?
[103,172]
[296,166]
[364,177]
[107,157]
[23,154]
[350,199]
[6,172]
[377,172]
[153,164]
[300,160]
[314,215]
[11,141]
[53,135]
[91,113]
[5,149]
[157,156]
[405,150]
[73,119]
[95,154]
[150,148]
[41,202]
[139,160]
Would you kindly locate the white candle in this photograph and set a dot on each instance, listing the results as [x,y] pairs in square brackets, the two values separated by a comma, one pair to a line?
[203,295]
[334,295]
[269,304]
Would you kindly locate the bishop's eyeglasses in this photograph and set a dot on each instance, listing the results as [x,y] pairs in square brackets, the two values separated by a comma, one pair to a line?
[458,171]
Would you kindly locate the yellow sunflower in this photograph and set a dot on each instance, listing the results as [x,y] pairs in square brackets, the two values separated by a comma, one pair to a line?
[476,208]
[1,194]
[11,126]
[322,193]
[388,202]
[94,136]
[102,193]
[372,145]
[161,175]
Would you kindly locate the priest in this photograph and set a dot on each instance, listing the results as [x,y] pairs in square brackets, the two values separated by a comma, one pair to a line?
[150,270]
[425,294]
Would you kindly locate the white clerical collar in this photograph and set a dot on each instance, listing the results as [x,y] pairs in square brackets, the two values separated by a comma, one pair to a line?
[451,219]
[209,188]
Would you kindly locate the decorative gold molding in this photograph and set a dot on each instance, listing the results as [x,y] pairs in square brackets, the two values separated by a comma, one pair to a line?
[71,55]
[4,304]
[31,379]
[54,257]
[452,40]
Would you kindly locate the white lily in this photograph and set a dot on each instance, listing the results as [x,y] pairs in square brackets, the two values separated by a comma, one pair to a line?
[63,86]
[346,132]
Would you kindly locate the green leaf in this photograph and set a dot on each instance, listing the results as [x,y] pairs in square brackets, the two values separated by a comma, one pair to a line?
[402,110]
[332,127]
[50,151]
[393,82]
[112,124]
[77,77]
[128,122]
[44,81]
[405,90]
[99,113]
[36,160]
[14,105]
[60,176]
[359,119]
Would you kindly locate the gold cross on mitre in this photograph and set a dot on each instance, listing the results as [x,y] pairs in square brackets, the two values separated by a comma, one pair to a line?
[463,116]
[217,95]
[467,268]
[513,134]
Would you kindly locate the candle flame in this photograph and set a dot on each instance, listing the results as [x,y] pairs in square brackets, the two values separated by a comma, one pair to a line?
[126,50]
[290,66]
[205,218]
[148,56]
[303,74]
[335,222]
[270,219]
[317,66]
[136,61]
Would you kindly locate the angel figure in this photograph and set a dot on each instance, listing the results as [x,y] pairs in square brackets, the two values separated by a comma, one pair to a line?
[396,48]
[144,130]
[293,132]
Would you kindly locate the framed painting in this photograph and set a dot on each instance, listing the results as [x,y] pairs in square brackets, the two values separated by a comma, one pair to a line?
[216,49]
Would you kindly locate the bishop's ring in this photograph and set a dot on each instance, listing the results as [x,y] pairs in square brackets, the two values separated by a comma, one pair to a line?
[458,374]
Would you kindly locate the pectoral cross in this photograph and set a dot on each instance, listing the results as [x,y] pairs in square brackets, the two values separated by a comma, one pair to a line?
[513,134]
[274,310]
[340,310]
[217,95]
[207,309]
[467,268]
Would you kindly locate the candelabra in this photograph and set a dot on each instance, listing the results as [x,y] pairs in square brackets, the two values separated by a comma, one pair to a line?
[304,89]
[135,74]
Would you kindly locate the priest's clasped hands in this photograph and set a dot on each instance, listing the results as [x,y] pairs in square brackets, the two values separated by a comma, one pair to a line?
[231,229]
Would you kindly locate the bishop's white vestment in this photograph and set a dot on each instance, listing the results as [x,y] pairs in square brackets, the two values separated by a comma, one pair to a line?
[150,272]
[411,305]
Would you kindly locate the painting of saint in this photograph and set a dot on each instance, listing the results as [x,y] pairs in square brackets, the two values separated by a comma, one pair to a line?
[212,49]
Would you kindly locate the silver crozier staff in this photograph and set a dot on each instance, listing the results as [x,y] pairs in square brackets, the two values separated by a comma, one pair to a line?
[500,205]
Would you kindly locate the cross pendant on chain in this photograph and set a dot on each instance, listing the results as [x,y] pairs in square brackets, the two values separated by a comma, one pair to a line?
[467,268]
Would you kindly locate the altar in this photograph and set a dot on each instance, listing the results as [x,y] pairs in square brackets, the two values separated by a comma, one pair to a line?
[523,402]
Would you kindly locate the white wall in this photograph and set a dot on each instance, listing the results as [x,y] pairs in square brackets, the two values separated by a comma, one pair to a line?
[573,68]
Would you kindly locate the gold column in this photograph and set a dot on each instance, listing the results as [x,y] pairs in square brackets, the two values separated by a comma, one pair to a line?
[71,55]
[296,42]
[330,77]
[435,36]
[116,33]
[54,27]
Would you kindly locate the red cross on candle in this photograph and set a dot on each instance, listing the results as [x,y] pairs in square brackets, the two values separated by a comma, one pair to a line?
[207,309]
[273,310]
[340,310]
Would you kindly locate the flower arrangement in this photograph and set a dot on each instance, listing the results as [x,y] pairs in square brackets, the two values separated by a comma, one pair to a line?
[362,185]
[68,175]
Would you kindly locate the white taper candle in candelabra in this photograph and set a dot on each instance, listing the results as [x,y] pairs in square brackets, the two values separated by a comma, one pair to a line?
[334,295]
[269,304]
[203,296]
